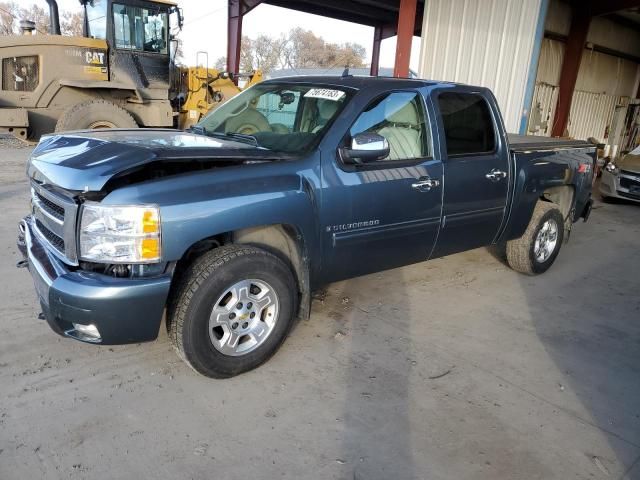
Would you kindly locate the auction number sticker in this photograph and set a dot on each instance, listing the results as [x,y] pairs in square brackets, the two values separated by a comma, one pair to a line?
[325,94]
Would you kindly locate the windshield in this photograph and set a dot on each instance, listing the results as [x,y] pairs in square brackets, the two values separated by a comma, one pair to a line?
[140,28]
[96,12]
[283,117]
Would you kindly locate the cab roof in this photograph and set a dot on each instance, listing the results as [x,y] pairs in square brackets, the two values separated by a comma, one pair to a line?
[358,82]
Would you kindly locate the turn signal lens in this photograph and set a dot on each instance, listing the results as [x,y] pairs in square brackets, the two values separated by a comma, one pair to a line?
[150,221]
[150,248]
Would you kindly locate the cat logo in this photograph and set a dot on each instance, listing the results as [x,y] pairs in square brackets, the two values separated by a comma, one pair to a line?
[94,58]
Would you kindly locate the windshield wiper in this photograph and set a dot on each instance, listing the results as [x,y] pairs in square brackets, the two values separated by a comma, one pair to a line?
[243,137]
[197,129]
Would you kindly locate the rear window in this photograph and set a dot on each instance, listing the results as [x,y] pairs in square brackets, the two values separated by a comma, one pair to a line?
[468,125]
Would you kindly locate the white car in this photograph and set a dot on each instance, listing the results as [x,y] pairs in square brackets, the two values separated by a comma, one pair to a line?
[622,178]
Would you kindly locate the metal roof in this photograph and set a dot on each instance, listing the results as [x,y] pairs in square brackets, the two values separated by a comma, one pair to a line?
[382,13]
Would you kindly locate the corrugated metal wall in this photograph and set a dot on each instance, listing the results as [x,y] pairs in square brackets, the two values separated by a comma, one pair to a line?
[543,109]
[481,42]
[603,83]
[591,114]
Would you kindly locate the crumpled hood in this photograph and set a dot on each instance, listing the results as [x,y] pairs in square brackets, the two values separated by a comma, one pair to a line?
[87,160]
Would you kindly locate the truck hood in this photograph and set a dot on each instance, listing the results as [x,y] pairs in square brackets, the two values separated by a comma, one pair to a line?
[87,160]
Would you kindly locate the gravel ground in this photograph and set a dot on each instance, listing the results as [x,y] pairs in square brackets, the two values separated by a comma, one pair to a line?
[457,368]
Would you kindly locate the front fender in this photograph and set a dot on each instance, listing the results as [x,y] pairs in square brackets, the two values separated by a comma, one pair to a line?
[204,204]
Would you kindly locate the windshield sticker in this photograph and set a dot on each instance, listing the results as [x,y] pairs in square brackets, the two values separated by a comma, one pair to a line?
[325,94]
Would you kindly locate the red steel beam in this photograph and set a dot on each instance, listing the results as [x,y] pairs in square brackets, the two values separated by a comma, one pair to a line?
[580,22]
[375,54]
[406,25]
[234,36]
[237,10]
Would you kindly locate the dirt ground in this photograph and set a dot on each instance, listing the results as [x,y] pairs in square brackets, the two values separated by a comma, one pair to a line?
[457,368]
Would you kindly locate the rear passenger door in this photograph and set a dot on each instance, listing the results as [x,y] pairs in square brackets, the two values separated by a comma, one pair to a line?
[476,171]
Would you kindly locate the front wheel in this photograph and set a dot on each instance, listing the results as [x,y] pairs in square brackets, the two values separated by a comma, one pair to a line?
[537,249]
[232,310]
[95,114]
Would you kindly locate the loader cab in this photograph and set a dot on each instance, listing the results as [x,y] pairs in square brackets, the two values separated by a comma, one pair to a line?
[138,39]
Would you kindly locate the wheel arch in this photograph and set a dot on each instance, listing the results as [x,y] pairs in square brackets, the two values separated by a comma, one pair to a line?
[286,241]
[563,196]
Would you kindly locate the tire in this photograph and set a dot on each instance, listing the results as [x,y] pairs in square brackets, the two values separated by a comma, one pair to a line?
[522,252]
[206,284]
[95,114]
[248,122]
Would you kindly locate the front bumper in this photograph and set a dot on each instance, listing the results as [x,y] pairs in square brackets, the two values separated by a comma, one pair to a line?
[123,310]
[610,186]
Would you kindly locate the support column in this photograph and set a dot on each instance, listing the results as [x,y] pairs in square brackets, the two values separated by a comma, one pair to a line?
[580,21]
[375,53]
[234,36]
[406,26]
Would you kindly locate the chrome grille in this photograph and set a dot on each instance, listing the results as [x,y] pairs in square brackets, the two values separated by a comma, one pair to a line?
[52,238]
[53,209]
[55,221]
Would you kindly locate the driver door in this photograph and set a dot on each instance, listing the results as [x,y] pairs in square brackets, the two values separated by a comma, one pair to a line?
[379,215]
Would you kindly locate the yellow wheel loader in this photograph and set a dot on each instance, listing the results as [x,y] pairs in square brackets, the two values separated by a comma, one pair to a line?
[119,74]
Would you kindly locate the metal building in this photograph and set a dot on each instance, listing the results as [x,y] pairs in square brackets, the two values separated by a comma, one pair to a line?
[483,42]
[557,67]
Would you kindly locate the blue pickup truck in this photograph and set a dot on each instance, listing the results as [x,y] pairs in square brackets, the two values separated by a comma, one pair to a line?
[229,227]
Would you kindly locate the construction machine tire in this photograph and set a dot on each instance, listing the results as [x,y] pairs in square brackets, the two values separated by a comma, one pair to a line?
[95,114]
[248,122]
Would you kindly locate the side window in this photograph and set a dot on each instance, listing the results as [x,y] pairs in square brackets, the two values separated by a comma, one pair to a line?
[20,74]
[468,125]
[400,118]
[96,11]
[140,29]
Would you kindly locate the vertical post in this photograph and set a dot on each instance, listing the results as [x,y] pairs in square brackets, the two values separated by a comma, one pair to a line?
[406,26]
[533,67]
[234,36]
[580,21]
[375,51]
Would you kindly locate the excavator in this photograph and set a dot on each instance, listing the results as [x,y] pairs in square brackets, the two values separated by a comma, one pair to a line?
[119,74]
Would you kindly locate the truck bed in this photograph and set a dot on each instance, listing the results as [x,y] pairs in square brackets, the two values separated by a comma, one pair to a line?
[527,143]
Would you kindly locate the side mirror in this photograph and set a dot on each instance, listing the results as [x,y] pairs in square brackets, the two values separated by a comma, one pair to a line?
[365,147]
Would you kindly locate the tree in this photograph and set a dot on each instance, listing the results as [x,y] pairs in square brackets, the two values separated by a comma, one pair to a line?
[264,52]
[220,63]
[71,24]
[8,18]
[12,13]
[299,49]
[38,15]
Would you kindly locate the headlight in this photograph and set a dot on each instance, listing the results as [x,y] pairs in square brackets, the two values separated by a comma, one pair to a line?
[611,168]
[119,234]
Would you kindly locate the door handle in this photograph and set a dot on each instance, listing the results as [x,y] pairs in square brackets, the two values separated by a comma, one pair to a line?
[424,184]
[496,175]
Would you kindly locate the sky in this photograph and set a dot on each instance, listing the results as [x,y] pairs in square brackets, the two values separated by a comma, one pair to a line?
[205,29]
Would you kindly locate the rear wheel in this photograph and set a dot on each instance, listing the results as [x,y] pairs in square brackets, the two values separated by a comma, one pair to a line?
[233,309]
[95,114]
[537,249]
